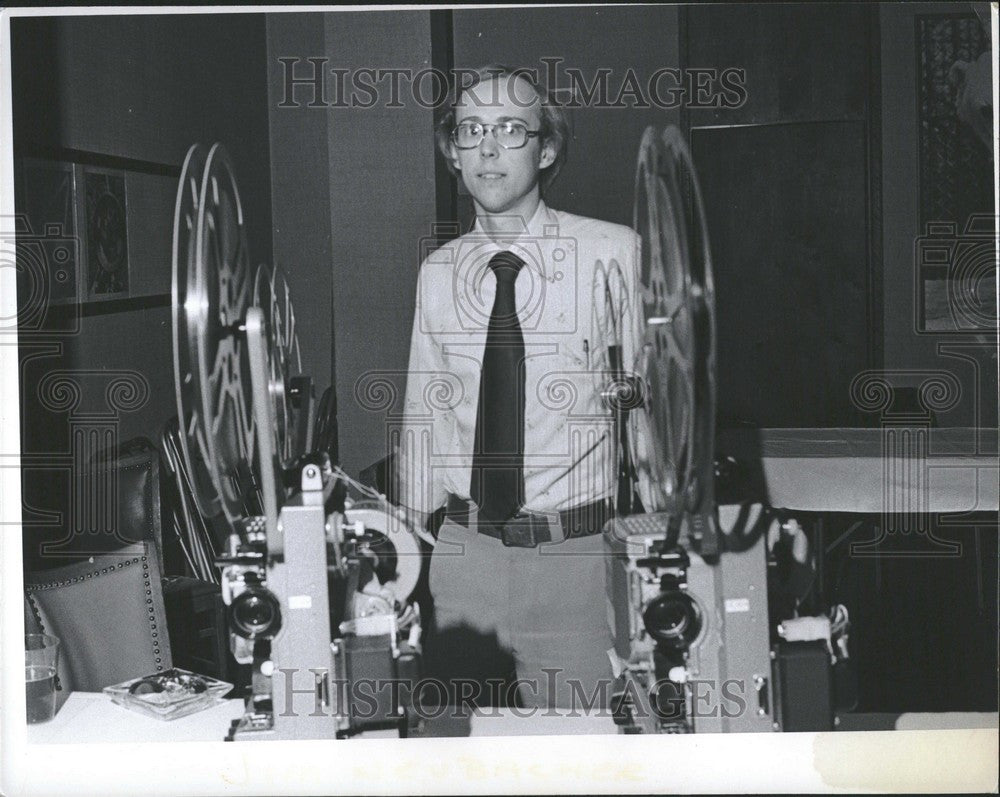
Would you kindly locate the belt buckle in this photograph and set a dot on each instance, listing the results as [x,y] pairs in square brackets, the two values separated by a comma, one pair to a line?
[524,529]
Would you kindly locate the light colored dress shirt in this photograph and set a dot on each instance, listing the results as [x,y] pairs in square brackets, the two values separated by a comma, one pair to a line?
[577,294]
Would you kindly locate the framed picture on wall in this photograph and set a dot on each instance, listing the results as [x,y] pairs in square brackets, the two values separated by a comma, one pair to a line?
[105,225]
[956,288]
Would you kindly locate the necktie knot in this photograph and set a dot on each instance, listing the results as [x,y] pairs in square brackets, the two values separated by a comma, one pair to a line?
[506,266]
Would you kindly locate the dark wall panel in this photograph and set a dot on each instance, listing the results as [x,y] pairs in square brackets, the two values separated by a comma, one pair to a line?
[792,219]
[802,61]
[786,213]
[300,194]
[382,190]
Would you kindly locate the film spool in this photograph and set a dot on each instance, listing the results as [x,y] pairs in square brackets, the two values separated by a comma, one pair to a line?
[391,527]
[210,295]
[272,296]
[679,308]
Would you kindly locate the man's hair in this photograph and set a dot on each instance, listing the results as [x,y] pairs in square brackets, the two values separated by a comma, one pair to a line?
[554,125]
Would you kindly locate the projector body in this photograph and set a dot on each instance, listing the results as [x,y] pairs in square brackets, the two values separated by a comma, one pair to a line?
[692,637]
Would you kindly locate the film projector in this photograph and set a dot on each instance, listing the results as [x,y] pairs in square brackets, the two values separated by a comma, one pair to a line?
[315,583]
[686,579]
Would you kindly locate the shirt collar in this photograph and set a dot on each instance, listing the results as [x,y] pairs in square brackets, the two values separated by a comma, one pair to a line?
[542,224]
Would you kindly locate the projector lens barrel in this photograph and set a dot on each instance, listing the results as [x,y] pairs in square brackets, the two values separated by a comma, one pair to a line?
[673,619]
[255,614]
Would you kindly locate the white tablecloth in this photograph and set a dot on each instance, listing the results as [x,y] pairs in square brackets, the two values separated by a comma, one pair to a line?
[899,469]
[92,717]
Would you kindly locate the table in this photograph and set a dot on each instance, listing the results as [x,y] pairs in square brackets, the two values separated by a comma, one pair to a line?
[880,470]
[92,717]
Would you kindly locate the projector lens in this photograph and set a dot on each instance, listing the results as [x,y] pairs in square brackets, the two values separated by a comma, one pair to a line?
[255,614]
[673,619]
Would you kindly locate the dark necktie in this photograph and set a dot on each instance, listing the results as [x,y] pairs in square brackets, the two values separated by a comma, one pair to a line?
[497,484]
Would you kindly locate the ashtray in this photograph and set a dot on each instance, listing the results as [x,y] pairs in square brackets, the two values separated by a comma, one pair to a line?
[169,694]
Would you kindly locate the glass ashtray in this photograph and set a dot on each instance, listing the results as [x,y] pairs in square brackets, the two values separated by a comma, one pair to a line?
[169,694]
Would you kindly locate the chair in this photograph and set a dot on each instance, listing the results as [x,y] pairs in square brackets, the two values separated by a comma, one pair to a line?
[108,614]
[138,464]
[127,479]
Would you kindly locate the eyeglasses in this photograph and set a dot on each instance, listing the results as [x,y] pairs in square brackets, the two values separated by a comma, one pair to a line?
[509,135]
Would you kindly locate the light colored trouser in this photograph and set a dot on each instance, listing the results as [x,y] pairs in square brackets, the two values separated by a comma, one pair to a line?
[546,606]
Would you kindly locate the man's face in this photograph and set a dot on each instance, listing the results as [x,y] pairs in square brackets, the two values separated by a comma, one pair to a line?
[501,181]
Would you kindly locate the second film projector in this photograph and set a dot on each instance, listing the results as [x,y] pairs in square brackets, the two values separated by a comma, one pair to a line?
[318,569]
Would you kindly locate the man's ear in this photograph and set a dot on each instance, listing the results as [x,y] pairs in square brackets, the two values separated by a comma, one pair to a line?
[546,155]
[453,157]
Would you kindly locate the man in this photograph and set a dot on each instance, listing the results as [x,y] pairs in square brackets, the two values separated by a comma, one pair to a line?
[505,423]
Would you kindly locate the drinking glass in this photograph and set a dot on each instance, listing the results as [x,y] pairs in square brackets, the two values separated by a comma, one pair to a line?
[41,655]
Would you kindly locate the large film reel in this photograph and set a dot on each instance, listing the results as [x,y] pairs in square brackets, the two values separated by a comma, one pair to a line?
[271,294]
[679,307]
[211,292]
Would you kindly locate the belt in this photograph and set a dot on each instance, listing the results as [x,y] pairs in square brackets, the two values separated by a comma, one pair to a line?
[529,529]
